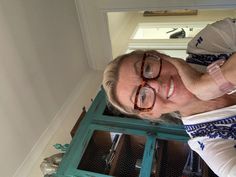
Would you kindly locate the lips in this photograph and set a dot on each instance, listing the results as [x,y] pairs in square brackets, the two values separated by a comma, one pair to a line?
[171,88]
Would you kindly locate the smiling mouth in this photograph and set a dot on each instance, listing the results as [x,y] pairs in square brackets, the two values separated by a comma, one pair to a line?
[171,89]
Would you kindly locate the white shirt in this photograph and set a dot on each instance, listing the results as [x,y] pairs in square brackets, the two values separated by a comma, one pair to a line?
[213,137]
[213,134]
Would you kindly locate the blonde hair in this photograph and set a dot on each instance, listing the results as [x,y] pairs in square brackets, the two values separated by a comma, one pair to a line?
[111,77]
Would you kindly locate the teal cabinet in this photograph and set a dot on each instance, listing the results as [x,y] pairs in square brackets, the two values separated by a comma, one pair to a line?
[95,150]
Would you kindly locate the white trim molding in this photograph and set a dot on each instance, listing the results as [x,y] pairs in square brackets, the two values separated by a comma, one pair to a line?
[158,44]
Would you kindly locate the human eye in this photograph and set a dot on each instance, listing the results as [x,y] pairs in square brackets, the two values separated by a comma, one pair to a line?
[142,96]
[145,98]
[148,70]
[151,67]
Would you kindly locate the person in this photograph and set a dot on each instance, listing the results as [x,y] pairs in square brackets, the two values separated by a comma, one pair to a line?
[148,84]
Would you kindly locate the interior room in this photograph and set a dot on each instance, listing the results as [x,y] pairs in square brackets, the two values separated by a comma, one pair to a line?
[53,54]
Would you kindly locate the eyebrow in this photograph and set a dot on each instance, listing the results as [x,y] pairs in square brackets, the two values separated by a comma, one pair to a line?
[136,67]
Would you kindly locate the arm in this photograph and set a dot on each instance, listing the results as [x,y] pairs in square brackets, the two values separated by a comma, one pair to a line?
[213,138]
[202,85]
[218,38]
[229,69]
[223,77]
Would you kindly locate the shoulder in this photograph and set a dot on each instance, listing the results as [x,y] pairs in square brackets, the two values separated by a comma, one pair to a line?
[215,39]
[219,154]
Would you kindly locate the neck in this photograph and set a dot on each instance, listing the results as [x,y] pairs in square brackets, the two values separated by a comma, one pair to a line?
[199,106]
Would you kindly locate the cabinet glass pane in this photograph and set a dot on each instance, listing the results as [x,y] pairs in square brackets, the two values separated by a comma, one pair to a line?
[173,158]
[113,154]
[170,157]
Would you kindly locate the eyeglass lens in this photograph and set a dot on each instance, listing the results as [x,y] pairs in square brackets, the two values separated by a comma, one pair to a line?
[151,67]
[146,97]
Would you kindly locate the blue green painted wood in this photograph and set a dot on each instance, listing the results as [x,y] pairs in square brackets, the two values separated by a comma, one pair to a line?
[79,143]
[96,120]
[83,173]
[148,157]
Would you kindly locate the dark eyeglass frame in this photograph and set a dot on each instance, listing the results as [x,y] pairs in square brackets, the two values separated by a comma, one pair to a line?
[145,84]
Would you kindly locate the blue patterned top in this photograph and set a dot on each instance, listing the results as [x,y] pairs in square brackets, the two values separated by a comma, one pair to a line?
[205,59]
[213,133]
[223,128]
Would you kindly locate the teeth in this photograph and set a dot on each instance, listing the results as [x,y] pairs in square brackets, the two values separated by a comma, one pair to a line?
[171,90]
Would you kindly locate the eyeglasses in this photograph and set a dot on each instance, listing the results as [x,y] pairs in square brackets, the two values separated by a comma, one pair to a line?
[145,97]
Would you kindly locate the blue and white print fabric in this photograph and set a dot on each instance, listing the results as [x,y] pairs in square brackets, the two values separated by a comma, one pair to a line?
[213,133]
[214,42]
[215,39]
[205,59]
[223,128]
[209,124]
[213,137]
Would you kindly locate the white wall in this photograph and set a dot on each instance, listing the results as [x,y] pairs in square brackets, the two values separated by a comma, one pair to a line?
[42,60]
[121,27]
[59,130]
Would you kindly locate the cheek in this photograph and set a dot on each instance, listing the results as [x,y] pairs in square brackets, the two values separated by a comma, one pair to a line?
[160,105]
[169,69]
[181,87]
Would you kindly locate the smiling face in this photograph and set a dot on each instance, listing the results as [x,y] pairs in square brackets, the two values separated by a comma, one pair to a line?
[171,93]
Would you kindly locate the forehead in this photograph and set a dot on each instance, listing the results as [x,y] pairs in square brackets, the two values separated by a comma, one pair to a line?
[128,80]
